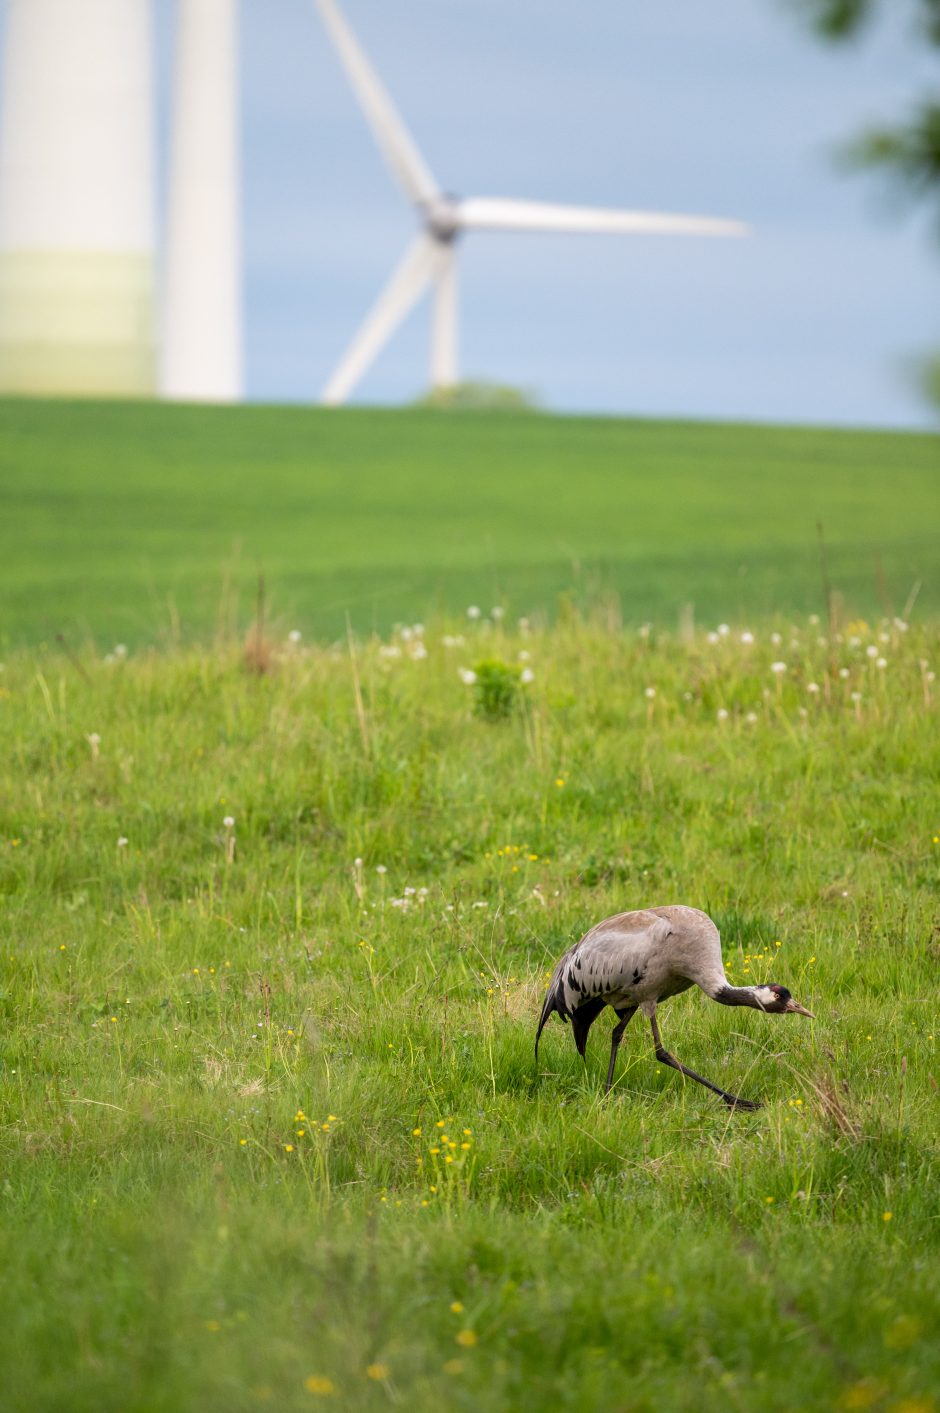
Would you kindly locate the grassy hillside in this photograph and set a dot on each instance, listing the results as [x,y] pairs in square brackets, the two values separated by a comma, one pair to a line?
[271,1132]
[135,523]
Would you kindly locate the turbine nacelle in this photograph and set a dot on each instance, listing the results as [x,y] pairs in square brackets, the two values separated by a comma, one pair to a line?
[442,218]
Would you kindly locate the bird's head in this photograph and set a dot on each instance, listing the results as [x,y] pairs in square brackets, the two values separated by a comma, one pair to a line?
[777,999]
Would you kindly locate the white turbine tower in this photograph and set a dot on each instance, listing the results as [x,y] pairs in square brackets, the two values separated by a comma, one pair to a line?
[76,199]
[431,257]
[202,327]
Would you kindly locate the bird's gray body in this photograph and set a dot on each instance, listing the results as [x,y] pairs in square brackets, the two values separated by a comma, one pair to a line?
[640,958]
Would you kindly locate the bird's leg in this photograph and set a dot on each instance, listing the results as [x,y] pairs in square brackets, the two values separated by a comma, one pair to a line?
[624,1019]
[664,1057]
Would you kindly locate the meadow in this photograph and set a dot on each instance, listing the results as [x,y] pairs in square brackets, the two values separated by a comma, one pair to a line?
[280,892]
[150,523]
[275,924]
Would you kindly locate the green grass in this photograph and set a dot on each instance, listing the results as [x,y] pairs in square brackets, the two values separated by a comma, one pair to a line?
[126,523]
[170,1005]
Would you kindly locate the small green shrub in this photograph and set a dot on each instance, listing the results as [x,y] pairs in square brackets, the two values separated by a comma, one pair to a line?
[497,689]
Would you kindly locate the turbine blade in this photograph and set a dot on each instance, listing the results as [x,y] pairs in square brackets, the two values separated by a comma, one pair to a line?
[402,291]
[394,140]
[494,213]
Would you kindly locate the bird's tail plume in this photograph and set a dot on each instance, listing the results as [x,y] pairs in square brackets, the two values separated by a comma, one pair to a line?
[554,1001]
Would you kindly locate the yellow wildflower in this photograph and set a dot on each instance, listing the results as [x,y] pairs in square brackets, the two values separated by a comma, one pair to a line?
[316,1383]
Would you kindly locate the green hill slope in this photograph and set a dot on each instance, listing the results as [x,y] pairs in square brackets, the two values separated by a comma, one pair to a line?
[128,521]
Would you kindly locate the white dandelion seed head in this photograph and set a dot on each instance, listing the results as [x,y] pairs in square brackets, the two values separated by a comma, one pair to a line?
[751,718]
[357,863]
[473,611]
[713,637]
[122,842]
[389,650]
[380,868]
[418,651]
[814,619]
[524,655]
[900,625]
[405,633]
[120,650]
[881,662]
[645,629]
[527,675]
[843,672]
[467,676]
[229,821]
[776,639]
[93,738]
[294,636]
[856,696]
[931,676]
[778,667]
[418,629]
[723,630]
[855,642]
[649,692]
[497,613]
[822,642]
[747,637]
[812,687]
[871,650]
[524,625]
[802,711]
[723,713]
[884,637]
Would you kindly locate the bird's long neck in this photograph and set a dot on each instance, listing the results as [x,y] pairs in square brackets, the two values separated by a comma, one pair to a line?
[758,997]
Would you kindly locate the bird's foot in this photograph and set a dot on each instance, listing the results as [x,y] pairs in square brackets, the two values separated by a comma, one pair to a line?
[748,1105]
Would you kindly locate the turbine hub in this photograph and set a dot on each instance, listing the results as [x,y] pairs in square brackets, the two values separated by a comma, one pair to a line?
[441,218]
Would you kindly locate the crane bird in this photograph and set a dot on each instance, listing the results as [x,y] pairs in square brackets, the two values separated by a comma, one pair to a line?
[635,960]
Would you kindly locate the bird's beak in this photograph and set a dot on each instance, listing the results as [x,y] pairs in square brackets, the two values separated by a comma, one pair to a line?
[798,1009]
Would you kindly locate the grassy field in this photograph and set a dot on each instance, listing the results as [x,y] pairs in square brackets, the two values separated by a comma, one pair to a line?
[150,523]
[272,1132]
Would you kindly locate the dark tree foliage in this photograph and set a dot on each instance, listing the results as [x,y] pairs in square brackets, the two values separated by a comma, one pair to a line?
[909,150]
[841,19]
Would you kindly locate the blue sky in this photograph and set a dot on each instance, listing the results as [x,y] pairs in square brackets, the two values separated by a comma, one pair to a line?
[728,109]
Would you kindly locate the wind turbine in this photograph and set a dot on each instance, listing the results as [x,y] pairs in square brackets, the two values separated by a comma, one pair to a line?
[77,229]
[202,314]
[430,259]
